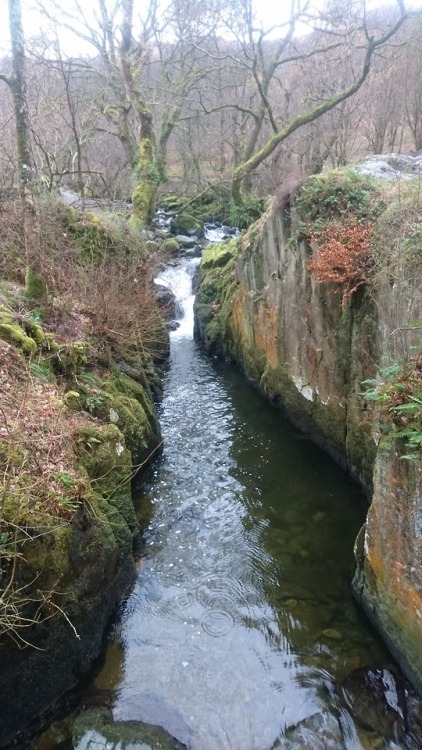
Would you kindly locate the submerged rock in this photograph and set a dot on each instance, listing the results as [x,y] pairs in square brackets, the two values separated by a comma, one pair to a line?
[321,731]
[96,730]
[166,299]
[376,699]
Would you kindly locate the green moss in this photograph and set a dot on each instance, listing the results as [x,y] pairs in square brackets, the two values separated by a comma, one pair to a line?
[34,286]
[170,245]
[220,254]
[49,344]
[48,553]
[35,331]
[73,400]
[171,202]
[244,213]
[184,223]
[124,735]
[336,195]
[26,334]
[13,334]
[108,463]
[215,292]
[148,179]
[70,358]
[129,415]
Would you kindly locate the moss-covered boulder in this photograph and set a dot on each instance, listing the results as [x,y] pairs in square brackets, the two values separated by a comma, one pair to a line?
[170,245]
[187,224]
[216,287]
[215,256]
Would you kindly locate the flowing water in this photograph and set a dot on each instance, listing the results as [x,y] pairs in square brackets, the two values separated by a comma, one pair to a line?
[241,621]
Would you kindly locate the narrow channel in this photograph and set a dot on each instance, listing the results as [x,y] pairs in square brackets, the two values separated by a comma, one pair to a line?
[241,621]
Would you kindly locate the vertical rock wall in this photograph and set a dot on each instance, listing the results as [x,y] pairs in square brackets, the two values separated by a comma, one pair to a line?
[388,580]
[297,344]
[309,355]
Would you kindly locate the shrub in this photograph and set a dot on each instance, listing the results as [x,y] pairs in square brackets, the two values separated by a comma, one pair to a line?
[398,394]
[338,195]
[343,256]
[244,214]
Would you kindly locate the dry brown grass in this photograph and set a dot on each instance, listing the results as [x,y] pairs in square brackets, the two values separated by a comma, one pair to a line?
[99,280]
[343,257]
[40,491]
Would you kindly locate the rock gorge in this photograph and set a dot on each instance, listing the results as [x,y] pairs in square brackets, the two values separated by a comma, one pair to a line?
[259,305]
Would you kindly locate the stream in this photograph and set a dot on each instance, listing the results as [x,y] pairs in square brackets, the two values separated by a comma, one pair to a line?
[241,624]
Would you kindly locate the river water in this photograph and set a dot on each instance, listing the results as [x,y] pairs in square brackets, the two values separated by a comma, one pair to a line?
[241,622]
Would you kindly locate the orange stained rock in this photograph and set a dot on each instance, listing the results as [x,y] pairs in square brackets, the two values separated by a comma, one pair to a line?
[266,335]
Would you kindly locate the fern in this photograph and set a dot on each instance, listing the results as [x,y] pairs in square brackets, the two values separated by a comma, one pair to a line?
[397,394]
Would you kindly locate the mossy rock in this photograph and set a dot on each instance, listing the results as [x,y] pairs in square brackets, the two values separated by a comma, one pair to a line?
[220,255]
[108,464]
[130,416]
[170,245]
[171,202]
[70,358]
[35,331]
[187,224]
[13,333]
[47,554]
[215,211]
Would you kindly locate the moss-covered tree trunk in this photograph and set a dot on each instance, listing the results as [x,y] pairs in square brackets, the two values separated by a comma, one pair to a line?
[147,172]
[144,194]
[35,287]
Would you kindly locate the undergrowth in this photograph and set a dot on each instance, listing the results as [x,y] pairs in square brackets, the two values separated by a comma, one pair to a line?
[100,309]
[342,256]
[397,395]
[336,196]
[246,212]
[40,493]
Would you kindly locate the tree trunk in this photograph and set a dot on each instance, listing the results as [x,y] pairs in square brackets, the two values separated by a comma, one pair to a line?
[148,177]
[144,194]
[35,287]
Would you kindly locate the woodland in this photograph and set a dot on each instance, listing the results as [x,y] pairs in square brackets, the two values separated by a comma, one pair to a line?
[179,96]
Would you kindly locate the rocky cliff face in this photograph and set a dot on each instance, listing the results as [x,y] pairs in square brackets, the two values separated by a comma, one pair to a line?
[295,341]
[260,306]
[388,580]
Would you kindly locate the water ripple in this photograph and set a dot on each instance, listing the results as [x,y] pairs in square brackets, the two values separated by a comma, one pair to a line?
[224,625]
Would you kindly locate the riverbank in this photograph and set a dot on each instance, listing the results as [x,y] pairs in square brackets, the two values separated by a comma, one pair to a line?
[319,303]
[79,379]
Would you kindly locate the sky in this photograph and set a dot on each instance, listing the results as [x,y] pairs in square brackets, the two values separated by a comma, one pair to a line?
[268,12]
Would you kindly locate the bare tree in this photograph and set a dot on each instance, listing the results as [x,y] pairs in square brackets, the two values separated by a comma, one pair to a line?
[35,288]
[359,38]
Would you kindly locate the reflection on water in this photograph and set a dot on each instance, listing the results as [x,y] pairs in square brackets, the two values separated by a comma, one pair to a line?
[241,619]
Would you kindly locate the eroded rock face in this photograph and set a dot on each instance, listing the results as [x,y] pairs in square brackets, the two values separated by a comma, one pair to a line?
[310,355]
[295,341]
[388,581]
